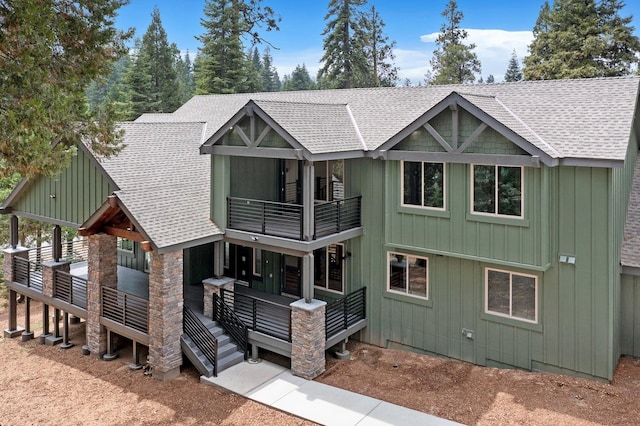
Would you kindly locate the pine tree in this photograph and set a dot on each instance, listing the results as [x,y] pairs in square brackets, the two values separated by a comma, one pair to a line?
[453,61]
[222,66]
[186,82]
[299,79]
[491,79]
[49,54]
[268,73]
[513,69]
[379,51]
[581,39]
[344,60]
[152,80]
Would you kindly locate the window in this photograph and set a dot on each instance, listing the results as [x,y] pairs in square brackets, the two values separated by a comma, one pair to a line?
[423,184]
[408,274]
[497,190]
[227,255]
[147,262]
[257,262]
[511,295]
[125,245]
[329,180]
[327,268]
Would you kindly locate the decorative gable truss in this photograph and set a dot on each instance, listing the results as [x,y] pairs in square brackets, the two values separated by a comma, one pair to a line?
[252,133]
[464,129]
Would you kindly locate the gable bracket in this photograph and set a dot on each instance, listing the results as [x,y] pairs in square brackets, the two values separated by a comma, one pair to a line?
[454,126]
[238,131]
[472,137]
[262,136]
[433,132]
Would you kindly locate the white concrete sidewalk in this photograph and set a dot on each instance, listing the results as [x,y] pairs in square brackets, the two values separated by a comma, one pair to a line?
[275,386]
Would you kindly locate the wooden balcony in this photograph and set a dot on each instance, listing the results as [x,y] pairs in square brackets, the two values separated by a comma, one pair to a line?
[286,219]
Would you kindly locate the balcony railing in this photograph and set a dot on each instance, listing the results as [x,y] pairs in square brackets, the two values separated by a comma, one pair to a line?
[260,315]
[70,288]
[28,273]
[285,219]
[72,251]
[126,309]
[345,312]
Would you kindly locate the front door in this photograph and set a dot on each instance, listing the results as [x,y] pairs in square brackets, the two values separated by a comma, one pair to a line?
[292,277]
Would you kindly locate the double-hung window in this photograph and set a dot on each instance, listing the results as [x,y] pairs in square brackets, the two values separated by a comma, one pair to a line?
[497,190]
[511,295]
[423,184]
[408,274]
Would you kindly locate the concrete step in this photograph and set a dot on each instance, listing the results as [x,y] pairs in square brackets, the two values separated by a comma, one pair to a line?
[230,360]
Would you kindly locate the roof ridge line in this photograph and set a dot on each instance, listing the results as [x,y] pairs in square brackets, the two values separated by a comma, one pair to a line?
[555,151]
[300,102]
[356,128]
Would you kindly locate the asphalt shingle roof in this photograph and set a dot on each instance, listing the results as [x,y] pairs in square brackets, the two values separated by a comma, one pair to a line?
[164,182]
[585,118]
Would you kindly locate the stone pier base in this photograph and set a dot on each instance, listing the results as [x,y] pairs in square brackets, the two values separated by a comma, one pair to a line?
[213,286]
[308,338]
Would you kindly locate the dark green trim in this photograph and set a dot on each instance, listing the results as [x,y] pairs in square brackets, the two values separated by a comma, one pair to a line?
[462,158]
[46,219]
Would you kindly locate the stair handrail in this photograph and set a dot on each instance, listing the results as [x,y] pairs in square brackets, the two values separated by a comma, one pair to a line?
[201,337]
[231,323]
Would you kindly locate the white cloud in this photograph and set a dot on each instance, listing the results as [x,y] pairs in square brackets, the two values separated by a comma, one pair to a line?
[493,48]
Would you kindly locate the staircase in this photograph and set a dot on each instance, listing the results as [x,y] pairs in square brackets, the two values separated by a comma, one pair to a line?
[227,354]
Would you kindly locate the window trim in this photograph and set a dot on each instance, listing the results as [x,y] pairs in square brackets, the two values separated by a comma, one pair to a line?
[510,316]
[495,193]
[406,293]
[422,206]
[326,280]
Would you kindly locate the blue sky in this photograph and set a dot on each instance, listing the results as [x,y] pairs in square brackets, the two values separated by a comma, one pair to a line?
[495,26]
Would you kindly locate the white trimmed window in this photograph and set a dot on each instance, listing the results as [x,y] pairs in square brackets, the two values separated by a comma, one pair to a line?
[408,274]
[328,268]
[511,295]
[497,190]
[423,184]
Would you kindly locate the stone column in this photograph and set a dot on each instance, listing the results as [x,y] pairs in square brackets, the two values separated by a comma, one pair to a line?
[48,275]
[213,286]
[9,255]
[308,338]
[165,314]
[102,271]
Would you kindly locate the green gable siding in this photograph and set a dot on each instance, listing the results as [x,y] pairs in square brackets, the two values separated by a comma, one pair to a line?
[255,178]
[272,139]
[79,191]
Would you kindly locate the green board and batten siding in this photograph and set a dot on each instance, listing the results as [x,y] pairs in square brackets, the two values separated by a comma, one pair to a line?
[68,198]
[568,210]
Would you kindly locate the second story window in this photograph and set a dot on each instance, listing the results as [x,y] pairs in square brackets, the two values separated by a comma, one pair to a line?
[497,190]
[423,184]
[125,245]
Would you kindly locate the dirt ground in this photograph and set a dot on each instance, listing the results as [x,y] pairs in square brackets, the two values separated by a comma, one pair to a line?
[42,384]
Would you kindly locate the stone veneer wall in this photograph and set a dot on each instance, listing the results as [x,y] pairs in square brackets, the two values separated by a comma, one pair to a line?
[308,338]
[102,271]
[165,314]
[48,275]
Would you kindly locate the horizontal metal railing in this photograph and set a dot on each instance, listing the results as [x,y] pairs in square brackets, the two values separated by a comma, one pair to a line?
[201,337]
[345,312]
[337,216]
[231,323]
[265,217]
[285,219]
[260,315]
[27,272]
[126,309]
[70,288]
[72,251]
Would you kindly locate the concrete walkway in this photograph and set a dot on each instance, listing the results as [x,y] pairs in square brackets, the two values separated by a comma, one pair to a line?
[275,386]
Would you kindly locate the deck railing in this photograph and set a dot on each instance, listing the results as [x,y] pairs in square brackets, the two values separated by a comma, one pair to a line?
[285,219]
[201,337]
[126,309]
[27,272]
[72,251]
[231,323]
[343,313]
[260,315]
[336,216]
[70,288]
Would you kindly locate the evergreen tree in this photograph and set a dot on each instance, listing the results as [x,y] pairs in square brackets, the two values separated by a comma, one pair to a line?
[344,60]
[152,80]
[268,73]
[513,69]
[299,79]
[49,54]
[491,79]
[222,65]
[379,51]
[453,61]
[186,82]
[581,39]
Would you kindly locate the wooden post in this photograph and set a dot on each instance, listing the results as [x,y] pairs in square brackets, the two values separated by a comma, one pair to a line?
[218,259]
[27,334]
[13,231]
[13,330]
[45,324]
[307,277]
[56,247]
[307,201]
[65,333]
